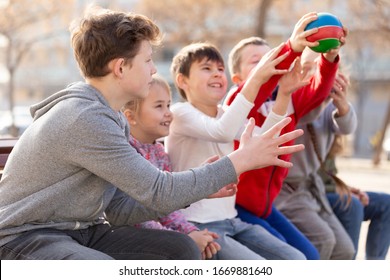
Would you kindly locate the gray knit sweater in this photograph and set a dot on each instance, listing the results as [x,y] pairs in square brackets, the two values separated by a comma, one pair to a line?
[73,167]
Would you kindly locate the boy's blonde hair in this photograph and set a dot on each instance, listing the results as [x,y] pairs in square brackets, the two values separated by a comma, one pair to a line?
[103,35]
[182,62]
[234,59]
[135,105]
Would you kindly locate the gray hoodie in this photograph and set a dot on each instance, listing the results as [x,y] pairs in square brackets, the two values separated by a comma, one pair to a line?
[73,167]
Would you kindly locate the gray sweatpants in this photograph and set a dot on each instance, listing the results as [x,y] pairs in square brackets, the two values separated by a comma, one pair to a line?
[320,226]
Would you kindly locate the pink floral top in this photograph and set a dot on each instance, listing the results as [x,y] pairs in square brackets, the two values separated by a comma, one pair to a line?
[156,154]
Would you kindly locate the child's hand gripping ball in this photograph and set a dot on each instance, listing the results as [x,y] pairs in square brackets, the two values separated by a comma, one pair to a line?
[330,30]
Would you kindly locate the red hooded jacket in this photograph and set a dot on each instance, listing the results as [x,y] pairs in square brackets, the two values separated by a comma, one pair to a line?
[258,188]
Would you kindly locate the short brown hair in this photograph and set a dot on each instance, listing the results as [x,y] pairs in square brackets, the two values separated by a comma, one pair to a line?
[103,35]
[182,62]
[234,59]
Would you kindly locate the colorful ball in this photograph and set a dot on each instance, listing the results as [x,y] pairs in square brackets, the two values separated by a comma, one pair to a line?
[329,32]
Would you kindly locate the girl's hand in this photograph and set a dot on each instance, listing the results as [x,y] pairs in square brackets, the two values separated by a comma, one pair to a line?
[293,80]
[226,191]
[339,94]
[363,196]
[205,241]
[333,53]
[211,250]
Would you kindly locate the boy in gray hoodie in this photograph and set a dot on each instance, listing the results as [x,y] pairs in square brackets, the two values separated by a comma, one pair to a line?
[73,186]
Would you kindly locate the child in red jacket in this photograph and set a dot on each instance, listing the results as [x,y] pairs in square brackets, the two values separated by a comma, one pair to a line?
[263,185]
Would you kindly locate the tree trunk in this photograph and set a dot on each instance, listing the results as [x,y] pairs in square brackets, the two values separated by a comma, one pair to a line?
[13,130]
[361,96]
[261,23]
[379,146]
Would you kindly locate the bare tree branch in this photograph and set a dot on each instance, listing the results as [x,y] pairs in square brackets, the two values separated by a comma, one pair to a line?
[24,23]
[264,7]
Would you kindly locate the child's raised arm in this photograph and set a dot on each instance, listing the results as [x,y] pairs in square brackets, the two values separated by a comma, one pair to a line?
[298,40]
[288,84]
[263,71]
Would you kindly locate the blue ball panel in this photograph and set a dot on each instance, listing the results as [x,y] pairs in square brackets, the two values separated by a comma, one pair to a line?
[324,19]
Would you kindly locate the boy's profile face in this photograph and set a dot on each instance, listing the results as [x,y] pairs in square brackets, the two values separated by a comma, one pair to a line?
[207,82]
[250,57]
[137,74]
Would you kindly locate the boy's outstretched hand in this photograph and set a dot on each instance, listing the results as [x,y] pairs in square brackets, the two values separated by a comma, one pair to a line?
[264,150]
[266,68]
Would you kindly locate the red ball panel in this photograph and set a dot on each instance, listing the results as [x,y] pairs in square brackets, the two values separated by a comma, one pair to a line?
[325,32]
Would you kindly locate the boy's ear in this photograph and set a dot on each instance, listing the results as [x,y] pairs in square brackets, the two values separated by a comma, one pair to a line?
[236,79]
[181,81]
[117,66]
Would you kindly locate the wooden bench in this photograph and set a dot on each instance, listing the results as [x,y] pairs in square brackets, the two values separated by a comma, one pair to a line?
[6,146]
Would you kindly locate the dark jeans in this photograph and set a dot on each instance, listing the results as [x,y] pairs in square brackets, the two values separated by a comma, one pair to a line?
[101,242]
[377,212]
[278,225]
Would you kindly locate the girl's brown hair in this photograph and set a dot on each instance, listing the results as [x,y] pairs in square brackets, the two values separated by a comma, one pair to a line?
[341,187]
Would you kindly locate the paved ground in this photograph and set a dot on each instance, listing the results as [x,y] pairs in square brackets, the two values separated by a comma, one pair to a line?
[363,174]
